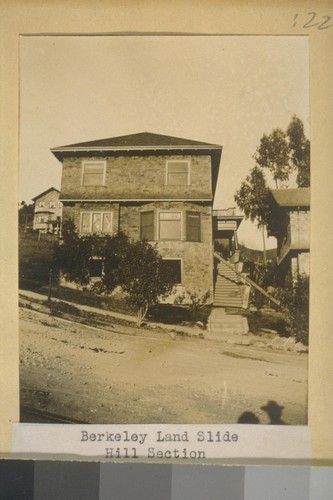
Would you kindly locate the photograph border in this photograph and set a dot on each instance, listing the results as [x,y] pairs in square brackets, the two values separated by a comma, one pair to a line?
[259,18]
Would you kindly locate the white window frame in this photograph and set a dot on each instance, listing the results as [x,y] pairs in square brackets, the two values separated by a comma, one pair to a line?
[181,224]
[41,204]
[52,204]
[188,172]
[91,212]
[181,268]
[90,162]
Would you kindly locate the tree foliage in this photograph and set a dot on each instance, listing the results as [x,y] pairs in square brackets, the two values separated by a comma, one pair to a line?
[252,197]
[273,153]
[299,151]
[144,276]
[284,152]
[135,266]
[25,212]
[294,298]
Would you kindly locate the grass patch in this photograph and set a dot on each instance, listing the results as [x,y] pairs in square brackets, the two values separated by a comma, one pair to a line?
[60,309]
[88,298]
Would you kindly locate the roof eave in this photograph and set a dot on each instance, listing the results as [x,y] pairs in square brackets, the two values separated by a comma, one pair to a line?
[60,152]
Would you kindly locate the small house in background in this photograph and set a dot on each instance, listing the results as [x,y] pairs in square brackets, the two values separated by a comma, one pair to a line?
[47,211]
[289,222]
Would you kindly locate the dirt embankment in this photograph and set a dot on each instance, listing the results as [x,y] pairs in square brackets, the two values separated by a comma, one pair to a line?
[122,375]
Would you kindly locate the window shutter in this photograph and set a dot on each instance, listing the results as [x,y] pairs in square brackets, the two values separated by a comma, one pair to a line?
[147,226]
[193,226]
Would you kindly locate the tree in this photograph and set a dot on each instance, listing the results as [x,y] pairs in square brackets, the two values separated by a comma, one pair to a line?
[26,212]
[73,255]
[145,277]
[285,152]
[252,199]
[281,153]
[299,151]
[135,266]
[273,153]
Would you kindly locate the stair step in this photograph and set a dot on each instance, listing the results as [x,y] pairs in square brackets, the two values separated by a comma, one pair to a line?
[227,290]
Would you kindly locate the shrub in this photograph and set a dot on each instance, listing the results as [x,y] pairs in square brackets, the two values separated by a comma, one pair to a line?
[294,299]
[194,299]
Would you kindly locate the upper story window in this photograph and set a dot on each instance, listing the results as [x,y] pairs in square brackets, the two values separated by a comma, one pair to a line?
[193,226]
[41,204]
[96,222]
[93,173]
[177,173]
[52,204]
[170,225]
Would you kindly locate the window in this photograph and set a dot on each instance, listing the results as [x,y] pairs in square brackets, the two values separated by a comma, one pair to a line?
[177,173]
[193,226]
[96,222]
[93,173]
[175,266]
[147,226]
[41,203]
[170,226]
[52,204]
[95,267]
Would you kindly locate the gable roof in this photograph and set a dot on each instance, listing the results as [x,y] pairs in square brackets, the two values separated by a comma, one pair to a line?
[140,141]
[45,192]
[299,197]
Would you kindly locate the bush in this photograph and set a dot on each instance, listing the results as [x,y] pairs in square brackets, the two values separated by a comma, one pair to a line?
[294,299]
[194,299]
[135,266]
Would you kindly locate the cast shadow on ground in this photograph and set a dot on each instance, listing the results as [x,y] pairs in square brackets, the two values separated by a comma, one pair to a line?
[273,410]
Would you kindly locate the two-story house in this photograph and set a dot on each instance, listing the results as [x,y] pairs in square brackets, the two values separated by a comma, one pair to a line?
[149,186]
[290,224]
[47,211]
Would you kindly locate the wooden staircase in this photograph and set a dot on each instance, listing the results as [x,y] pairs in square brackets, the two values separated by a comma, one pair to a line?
[227,292]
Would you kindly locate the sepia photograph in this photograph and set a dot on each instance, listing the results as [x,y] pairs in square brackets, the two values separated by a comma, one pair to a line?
[164,229]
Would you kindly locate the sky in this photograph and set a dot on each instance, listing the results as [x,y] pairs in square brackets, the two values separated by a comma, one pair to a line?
[226,90]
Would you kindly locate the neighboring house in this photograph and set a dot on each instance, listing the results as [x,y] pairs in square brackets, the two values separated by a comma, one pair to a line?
[149,186]
[290,224]
[225,226]
[47,211]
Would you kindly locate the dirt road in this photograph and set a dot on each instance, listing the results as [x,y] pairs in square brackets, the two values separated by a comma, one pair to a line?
[99,376]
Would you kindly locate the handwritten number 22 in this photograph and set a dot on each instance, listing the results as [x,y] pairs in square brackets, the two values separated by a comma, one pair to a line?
[322,25]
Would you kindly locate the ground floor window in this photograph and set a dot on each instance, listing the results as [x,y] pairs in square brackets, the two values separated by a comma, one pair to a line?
[176,266]
[96,222]
[95,267]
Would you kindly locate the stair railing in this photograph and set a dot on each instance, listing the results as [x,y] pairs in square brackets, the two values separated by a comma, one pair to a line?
[247,280]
